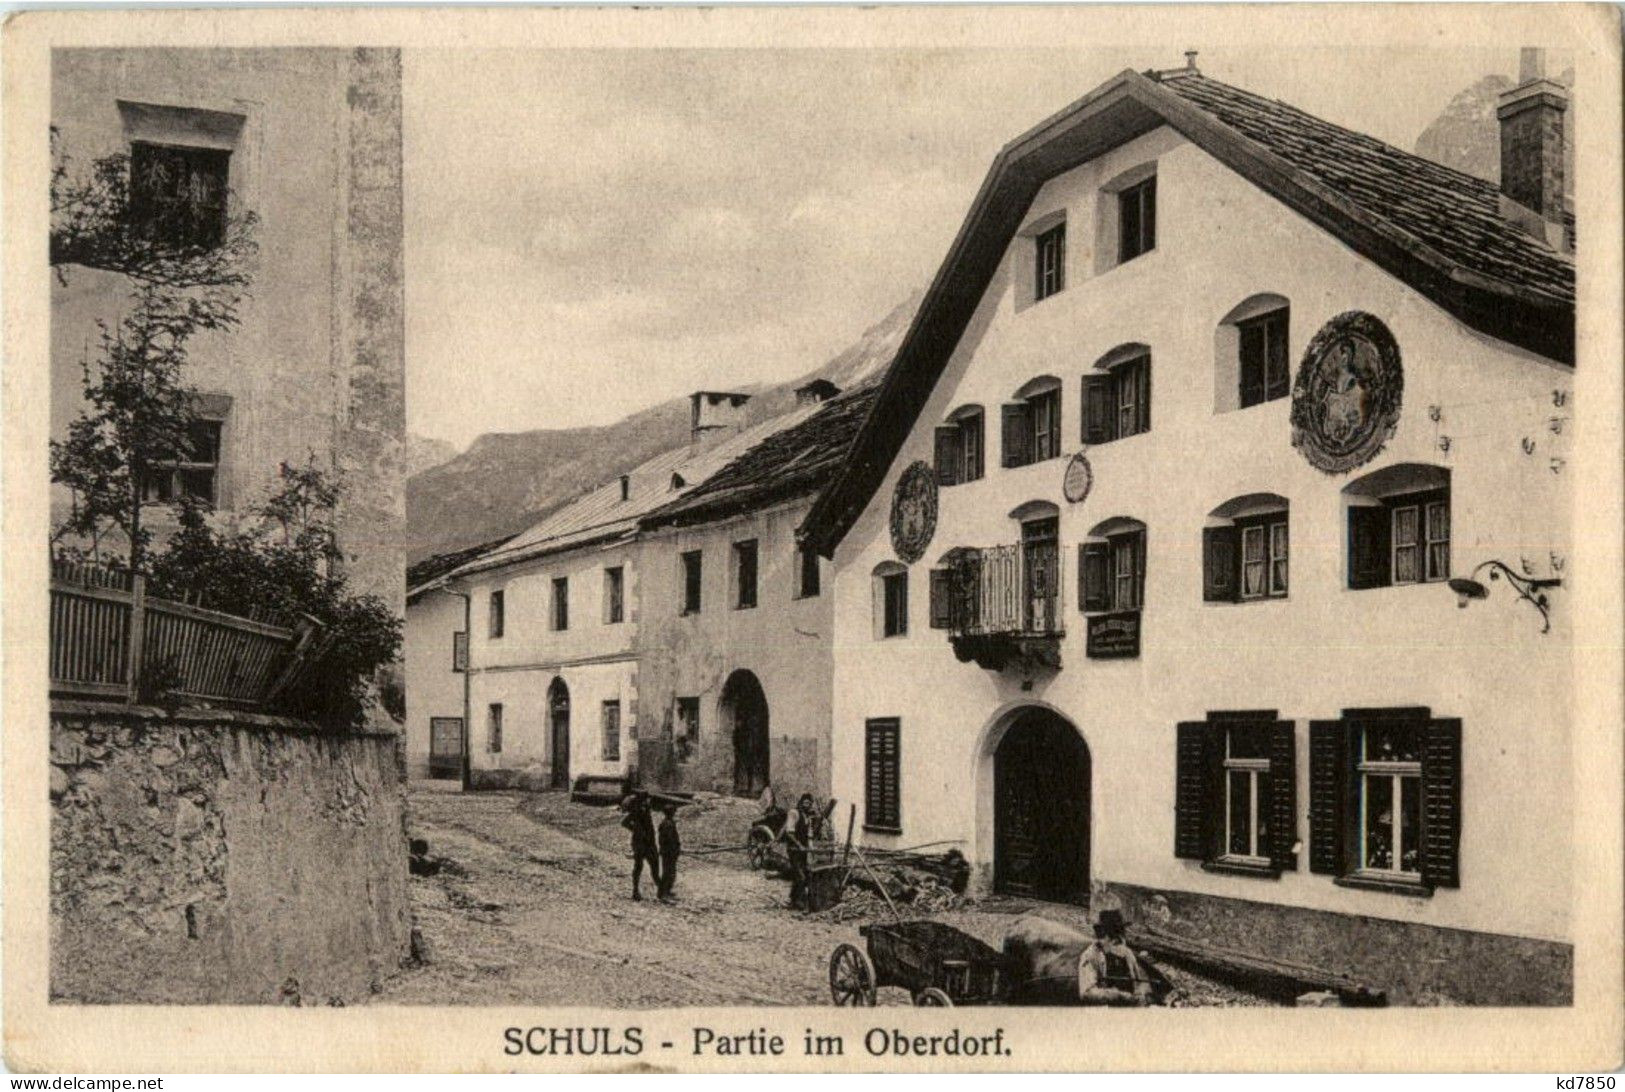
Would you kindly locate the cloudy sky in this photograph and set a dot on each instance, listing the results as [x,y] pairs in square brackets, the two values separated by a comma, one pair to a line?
[590,232]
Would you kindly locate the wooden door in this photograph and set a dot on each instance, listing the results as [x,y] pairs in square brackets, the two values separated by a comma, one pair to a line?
[1041,559]
[559,717]
[1041,811]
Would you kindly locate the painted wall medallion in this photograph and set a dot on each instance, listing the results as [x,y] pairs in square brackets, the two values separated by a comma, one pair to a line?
[914,512]
[1078,479]
[1346,398]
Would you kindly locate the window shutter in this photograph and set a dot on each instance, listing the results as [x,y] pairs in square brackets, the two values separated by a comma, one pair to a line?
[1195,791]
[459,650]
[1098,411]
[882,807]
[1368,546]
[1018,434]
[1252,357]
[949,457]
[1139,568]
[1441,803]
[1143,378]
[1329,778]
[974,431]
[1094,585]
[1219,583]
[1283,803]
[941,611]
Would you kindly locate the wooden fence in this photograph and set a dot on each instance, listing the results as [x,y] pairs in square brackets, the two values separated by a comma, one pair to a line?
[110,640]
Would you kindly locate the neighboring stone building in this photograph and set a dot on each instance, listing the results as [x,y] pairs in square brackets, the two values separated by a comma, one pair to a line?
[1141,556]
[552,689]
[734,649]
[211,856]
[663,624]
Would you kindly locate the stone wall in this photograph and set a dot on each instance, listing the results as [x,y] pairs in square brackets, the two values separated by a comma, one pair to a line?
[1416,964]
[209,857]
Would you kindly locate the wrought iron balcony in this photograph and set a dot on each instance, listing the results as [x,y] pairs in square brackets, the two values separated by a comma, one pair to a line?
[1004,605]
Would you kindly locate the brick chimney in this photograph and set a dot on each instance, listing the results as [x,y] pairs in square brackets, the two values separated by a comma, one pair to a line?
[715,415]
[1531,116]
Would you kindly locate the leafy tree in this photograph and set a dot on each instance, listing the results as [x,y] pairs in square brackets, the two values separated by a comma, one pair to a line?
[285,565]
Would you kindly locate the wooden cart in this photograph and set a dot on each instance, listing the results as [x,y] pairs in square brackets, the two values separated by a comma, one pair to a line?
[937,964]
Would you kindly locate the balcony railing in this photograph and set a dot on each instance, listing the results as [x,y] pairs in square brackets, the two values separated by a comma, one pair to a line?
[1004,604]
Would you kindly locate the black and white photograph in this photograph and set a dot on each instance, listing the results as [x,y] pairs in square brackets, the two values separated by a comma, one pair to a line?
[806,529]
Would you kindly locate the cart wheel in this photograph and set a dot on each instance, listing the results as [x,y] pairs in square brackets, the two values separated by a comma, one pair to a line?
[931,997]
[756,852]
[851,977]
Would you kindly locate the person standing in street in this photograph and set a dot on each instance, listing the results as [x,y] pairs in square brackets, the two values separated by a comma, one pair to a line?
[644,849]
[671,847]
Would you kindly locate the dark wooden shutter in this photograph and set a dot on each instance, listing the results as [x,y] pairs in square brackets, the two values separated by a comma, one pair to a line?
[1139,568]
[1196,783]
[1368,546]
[975,429]
[882,807]
[1219,567]
[1441,803]
[941,599]
[1094,583]
[1143,379]
[949,454]
[1018,434]
[1283,803]
[1252,362]
[1099,413]
[1330,775]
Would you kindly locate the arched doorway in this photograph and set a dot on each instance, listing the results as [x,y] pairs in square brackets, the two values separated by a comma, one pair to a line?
[744,712]
[558,723]
[1041,809]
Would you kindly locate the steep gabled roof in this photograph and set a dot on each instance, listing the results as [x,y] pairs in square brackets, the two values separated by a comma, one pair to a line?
[791,463]
[1438,230]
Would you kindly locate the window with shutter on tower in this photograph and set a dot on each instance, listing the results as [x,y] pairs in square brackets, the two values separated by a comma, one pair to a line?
[1385,799]
[1235,800]
[882,805]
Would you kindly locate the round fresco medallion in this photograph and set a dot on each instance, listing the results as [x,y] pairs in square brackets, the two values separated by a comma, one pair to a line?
[1346,399]
[914,512]
[1078,479]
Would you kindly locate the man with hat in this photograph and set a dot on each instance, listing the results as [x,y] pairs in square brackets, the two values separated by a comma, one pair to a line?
[1109,971]
[644,847]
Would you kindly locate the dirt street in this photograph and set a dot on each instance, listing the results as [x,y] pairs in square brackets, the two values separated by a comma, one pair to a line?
[532,906]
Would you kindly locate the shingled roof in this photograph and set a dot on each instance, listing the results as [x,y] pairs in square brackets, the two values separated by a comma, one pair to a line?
[1437,230]
[793,463]
[1455,213]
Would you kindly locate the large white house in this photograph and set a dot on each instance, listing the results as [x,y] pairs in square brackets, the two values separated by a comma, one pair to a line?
[1180,558]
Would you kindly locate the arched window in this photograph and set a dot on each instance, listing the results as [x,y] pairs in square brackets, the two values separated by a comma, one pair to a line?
[959,446]
[956,590]
[890,591]
[1111,566]
[1251,353]
[1244,550]
[1117,395]
[1399,526]
[1032,423]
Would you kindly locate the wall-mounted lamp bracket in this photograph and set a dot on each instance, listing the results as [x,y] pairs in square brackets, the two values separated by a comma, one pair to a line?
[1530,589]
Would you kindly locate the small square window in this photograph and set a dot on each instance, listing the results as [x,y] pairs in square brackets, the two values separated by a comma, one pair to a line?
[178,193]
